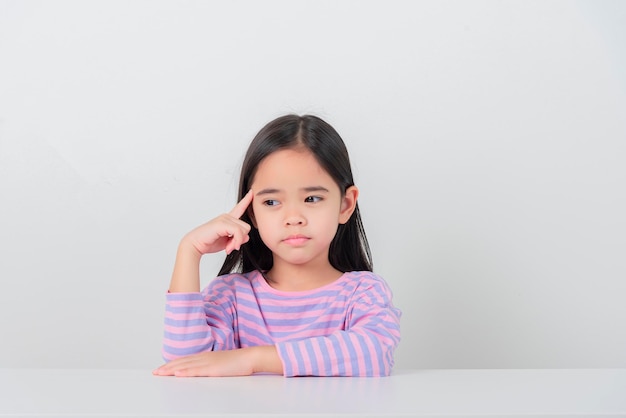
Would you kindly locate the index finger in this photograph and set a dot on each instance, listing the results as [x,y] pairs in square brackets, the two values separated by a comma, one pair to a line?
[240,208]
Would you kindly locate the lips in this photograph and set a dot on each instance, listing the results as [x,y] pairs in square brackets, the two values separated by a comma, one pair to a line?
[296,240]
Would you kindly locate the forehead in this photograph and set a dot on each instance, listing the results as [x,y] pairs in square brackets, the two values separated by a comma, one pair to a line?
[290,167]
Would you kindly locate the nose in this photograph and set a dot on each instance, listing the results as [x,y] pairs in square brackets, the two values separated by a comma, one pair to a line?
[294,217]
[294,221]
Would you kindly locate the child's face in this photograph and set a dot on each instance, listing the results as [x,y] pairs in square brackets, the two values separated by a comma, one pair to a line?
[298,207]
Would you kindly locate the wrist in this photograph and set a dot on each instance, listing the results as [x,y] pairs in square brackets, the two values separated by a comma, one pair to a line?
[187,249]
[265,359]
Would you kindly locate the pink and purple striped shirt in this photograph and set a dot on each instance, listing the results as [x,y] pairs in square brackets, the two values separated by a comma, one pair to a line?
[346,328]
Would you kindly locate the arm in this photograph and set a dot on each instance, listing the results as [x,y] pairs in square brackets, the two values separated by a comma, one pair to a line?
[364,348]
[188,329]
[186,275]
[200,339]
[226,232]
[193,326]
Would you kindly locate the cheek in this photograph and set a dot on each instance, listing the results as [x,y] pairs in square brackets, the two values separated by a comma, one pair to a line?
[328,221]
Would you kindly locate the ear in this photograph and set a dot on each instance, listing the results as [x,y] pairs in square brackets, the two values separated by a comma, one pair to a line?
[348,204]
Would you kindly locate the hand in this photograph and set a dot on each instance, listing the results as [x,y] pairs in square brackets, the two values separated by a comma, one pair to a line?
[209,363]
[239,362]
[226,232]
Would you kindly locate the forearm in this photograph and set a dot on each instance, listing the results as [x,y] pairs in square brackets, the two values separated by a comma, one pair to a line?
[342,353]
[186,275]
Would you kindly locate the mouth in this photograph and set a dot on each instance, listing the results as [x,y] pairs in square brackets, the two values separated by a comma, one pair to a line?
[296,240]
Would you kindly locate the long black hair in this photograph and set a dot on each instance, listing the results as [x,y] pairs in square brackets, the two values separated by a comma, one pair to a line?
[349,249]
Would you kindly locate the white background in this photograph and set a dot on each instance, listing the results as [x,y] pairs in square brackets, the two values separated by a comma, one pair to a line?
[488,140]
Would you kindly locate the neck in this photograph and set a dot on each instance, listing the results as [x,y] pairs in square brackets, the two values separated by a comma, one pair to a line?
[296,278]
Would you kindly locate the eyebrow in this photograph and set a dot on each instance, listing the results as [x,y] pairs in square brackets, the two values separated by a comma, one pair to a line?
[304,189]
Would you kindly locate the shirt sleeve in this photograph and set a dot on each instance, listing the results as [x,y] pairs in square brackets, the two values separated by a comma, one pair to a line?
[364,348]
[197,322]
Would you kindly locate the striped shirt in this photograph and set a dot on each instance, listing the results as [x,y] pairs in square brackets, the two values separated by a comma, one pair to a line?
[346,328]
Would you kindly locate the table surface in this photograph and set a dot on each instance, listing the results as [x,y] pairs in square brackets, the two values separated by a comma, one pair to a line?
[136,393]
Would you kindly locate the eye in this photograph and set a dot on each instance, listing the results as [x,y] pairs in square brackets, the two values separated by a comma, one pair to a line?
[313,199]
[270,202]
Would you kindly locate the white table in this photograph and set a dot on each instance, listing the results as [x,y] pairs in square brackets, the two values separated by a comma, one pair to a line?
[136,393]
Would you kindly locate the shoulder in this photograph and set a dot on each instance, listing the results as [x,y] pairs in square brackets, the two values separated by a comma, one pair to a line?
[232,283]
[369,287]
[364,278]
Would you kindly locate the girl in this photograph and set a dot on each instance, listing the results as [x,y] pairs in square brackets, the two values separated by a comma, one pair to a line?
[296,294]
